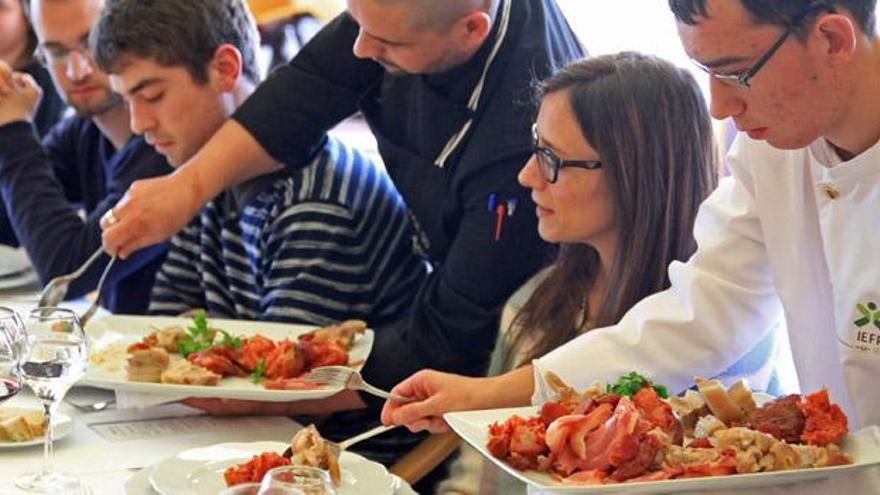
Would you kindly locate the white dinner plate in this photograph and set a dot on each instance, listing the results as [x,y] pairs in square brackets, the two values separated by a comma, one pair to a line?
[63,426]
[473,427]
[200,471]
[122,330]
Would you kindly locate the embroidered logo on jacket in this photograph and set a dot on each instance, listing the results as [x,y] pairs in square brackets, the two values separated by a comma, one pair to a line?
[865,334]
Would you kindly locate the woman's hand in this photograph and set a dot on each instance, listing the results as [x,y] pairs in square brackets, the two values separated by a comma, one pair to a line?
[437,393]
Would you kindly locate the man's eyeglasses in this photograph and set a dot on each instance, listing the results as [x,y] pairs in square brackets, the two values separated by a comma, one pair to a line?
[59,55]
[744,77]
[549,163]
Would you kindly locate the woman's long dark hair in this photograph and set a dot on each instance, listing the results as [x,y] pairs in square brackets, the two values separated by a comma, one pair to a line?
[649,123]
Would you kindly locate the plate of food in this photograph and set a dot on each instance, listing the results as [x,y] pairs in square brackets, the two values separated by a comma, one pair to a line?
[20,427]
[208,470]
[628,437]
[231,359]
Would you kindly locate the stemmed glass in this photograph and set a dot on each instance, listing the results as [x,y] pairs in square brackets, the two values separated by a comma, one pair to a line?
[12,346]
[311,480]
[56,357]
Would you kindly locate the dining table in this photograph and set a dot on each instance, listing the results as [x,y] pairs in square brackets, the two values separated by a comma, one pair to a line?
[113,450]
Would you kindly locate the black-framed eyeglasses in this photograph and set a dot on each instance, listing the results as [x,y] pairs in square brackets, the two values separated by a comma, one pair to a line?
[549,163]
[744,77]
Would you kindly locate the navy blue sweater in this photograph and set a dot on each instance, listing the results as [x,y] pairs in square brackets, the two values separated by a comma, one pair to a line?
[44,185]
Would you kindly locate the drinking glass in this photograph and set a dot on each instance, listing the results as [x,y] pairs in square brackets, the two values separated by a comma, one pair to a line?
[257,489]
[56,357]
[12,345]
[311,480]
[11,323]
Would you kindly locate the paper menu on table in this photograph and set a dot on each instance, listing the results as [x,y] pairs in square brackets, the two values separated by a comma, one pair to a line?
[157,428]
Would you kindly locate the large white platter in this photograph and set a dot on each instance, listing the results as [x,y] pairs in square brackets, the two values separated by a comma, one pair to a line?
[199,471]
[473,427]
[122,330]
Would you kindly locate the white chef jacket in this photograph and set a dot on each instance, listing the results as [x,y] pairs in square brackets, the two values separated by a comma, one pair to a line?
[791,231]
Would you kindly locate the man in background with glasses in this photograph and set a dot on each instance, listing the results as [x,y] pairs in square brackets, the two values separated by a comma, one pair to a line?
[87,161]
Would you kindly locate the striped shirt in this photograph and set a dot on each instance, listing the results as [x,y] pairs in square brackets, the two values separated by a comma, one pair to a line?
[324,243]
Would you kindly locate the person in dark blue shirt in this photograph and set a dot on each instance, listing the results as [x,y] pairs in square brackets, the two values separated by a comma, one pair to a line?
[85,162]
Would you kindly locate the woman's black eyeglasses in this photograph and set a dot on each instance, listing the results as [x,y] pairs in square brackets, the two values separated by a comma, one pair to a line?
[549,163]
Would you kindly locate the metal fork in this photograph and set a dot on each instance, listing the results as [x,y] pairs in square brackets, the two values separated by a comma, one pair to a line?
[94,307]
[56,289]
[351,379]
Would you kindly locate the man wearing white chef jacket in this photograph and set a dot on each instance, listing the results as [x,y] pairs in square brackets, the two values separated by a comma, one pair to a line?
[794,230]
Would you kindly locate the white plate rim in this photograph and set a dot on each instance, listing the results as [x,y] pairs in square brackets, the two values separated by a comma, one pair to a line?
[14,260]
[63,426]
[472,427]
[348,460]
[97,377]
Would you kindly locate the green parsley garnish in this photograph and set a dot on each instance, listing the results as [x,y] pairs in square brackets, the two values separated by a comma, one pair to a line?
[200,337]
[258,372]
[628,385]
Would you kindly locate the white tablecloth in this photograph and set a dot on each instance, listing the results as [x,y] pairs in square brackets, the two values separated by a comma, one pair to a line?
[109,450]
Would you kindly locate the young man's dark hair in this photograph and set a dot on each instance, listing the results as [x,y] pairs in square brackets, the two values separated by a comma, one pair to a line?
[782,12]
[152,30]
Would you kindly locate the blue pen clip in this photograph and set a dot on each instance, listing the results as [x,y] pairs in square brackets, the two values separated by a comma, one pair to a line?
[493,202]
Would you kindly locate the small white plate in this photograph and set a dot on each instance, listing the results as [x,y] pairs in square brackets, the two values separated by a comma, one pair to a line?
[124,330]
[63,426]
[473,427]
[200,471]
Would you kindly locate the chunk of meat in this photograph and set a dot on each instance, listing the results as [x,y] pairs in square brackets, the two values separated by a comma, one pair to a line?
[825,422]
[252,350]
[648,448]
[219,359]
[255,469]
[781,418]
[286,360]
[519,441]
[659,413]
[323,352]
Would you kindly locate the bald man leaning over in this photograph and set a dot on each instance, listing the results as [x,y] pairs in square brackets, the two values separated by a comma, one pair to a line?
[445,88]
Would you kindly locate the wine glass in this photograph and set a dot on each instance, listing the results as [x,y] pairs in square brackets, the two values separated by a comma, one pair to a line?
[12,345]
[56,357]
[311,480]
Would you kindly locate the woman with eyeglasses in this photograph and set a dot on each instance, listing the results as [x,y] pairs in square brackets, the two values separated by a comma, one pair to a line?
[623,156]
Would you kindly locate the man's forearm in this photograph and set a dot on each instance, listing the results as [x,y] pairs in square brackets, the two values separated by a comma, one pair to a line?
[230,157]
